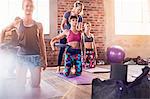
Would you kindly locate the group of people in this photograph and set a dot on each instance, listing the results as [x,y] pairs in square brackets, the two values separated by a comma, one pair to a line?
[80,43]
[31,50]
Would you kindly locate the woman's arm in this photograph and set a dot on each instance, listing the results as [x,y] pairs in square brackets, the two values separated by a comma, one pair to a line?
[82,39]
[82,45]
[57,38]
[63,23]
[80,26]
[80,23]
[65,18]
[94,45]
[42,45]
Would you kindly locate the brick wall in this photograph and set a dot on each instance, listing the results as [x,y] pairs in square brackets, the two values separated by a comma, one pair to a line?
[94,13]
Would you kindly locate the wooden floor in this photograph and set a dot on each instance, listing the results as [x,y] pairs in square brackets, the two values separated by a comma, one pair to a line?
[73,91]
[63,89]
[70,90]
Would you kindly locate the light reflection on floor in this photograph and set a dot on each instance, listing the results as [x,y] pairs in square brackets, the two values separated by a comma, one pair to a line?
[9,89]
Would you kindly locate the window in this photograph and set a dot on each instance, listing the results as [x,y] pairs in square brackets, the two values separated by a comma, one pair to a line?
[132,17]
[9,9]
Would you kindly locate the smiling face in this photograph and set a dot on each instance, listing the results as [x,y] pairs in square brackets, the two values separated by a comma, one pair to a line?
[28,7]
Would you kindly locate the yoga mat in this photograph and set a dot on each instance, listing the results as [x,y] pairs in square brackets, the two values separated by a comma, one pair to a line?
[84,79]
[135,70]
[97,70]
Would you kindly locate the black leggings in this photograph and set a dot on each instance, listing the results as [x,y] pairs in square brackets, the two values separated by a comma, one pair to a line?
[61,51]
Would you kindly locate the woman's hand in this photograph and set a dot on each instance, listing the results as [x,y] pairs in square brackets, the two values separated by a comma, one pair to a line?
[44,67]
[52,45]
[44,63]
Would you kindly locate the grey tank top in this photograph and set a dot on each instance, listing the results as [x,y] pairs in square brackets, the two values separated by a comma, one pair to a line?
[28,40]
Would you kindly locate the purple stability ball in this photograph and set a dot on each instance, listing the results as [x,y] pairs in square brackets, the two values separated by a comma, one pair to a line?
[115,54]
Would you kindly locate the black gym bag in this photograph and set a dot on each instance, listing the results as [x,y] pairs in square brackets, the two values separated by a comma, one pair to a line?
[117,89]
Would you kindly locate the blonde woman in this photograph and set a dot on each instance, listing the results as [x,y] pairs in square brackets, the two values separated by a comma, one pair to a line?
[32,52]
[90,51]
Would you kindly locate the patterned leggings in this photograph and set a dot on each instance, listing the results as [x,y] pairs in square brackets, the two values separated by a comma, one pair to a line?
[89,61]
[73,57]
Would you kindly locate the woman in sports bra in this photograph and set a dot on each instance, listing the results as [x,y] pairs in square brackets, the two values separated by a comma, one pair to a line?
[90,51]
[77,10]
[73,51]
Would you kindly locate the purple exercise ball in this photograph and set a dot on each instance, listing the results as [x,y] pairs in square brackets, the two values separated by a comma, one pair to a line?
[115,54]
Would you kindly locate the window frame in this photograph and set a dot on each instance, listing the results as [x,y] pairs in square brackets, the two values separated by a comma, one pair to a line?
[136,25]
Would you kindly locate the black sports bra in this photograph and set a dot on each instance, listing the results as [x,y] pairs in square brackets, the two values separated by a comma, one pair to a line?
[88,39]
